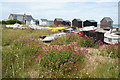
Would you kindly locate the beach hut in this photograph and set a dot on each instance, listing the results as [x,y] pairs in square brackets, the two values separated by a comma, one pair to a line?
[106,23]
[43,21]
[50,22]
[58,21]
[66,23]
[90,23]
[77,23]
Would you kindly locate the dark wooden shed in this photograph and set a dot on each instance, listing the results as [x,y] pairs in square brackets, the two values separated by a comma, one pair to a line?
[77,23]
[58,21]
[90,23]
[100,36]
[66,23]
[106,23]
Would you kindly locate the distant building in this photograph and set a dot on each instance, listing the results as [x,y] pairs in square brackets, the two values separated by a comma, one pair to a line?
[66,23]
[26,19]
[77,23]
[90,23]
[58,21]
[43,21]
[106,23]
[50,22]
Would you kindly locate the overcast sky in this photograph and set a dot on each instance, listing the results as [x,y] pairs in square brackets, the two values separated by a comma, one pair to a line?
[66,9]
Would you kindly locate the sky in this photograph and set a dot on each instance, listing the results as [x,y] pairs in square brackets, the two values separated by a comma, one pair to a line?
[65,9]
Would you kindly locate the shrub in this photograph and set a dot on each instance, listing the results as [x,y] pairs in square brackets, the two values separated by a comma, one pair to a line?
[62,57]
[4,22]
[88,42]
[11,22]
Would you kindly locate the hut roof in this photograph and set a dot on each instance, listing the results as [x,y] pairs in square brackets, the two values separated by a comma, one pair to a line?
[108,19]
[59,19]
[67,21]
[43,19]
[78,19]
[50,20]
[27,17]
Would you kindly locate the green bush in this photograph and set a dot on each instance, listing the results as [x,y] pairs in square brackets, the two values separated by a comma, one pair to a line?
[88,42]
[11,22]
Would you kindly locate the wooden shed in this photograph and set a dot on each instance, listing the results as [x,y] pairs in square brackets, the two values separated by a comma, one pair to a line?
[58,21]
[77,23]
[100,36]
[90,23]
[66,23]
[106,23]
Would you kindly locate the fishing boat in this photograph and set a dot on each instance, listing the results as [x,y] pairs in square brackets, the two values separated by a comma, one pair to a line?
[52,37]
[112,36]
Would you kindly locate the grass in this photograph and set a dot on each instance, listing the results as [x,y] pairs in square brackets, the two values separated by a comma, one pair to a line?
[25,56]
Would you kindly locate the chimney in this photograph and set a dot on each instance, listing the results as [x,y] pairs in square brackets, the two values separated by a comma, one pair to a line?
[24,18]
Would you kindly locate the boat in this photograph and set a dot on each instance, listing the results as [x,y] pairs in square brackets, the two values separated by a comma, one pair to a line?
[57,29]
[52,36]
[68,30]
[85,30]
[112,36]
[16,25]
[89,28]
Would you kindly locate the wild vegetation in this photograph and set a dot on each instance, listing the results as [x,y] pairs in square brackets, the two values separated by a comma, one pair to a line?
[24,55]
[10,22]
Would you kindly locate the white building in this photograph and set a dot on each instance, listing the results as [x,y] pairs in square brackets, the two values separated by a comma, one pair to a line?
[26,19]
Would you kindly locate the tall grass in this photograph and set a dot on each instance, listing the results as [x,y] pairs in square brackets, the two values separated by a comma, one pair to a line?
[25,56]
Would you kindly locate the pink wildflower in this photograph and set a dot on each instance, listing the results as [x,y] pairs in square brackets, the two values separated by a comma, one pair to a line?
[39,56]
[84,49]
[74,53]
[68,45]
[65,59]
[60,43]
[36,59]
[24,44]
[45,51]
[71,59]
[48,59]
[33,39]
[61,64]
[69,68]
